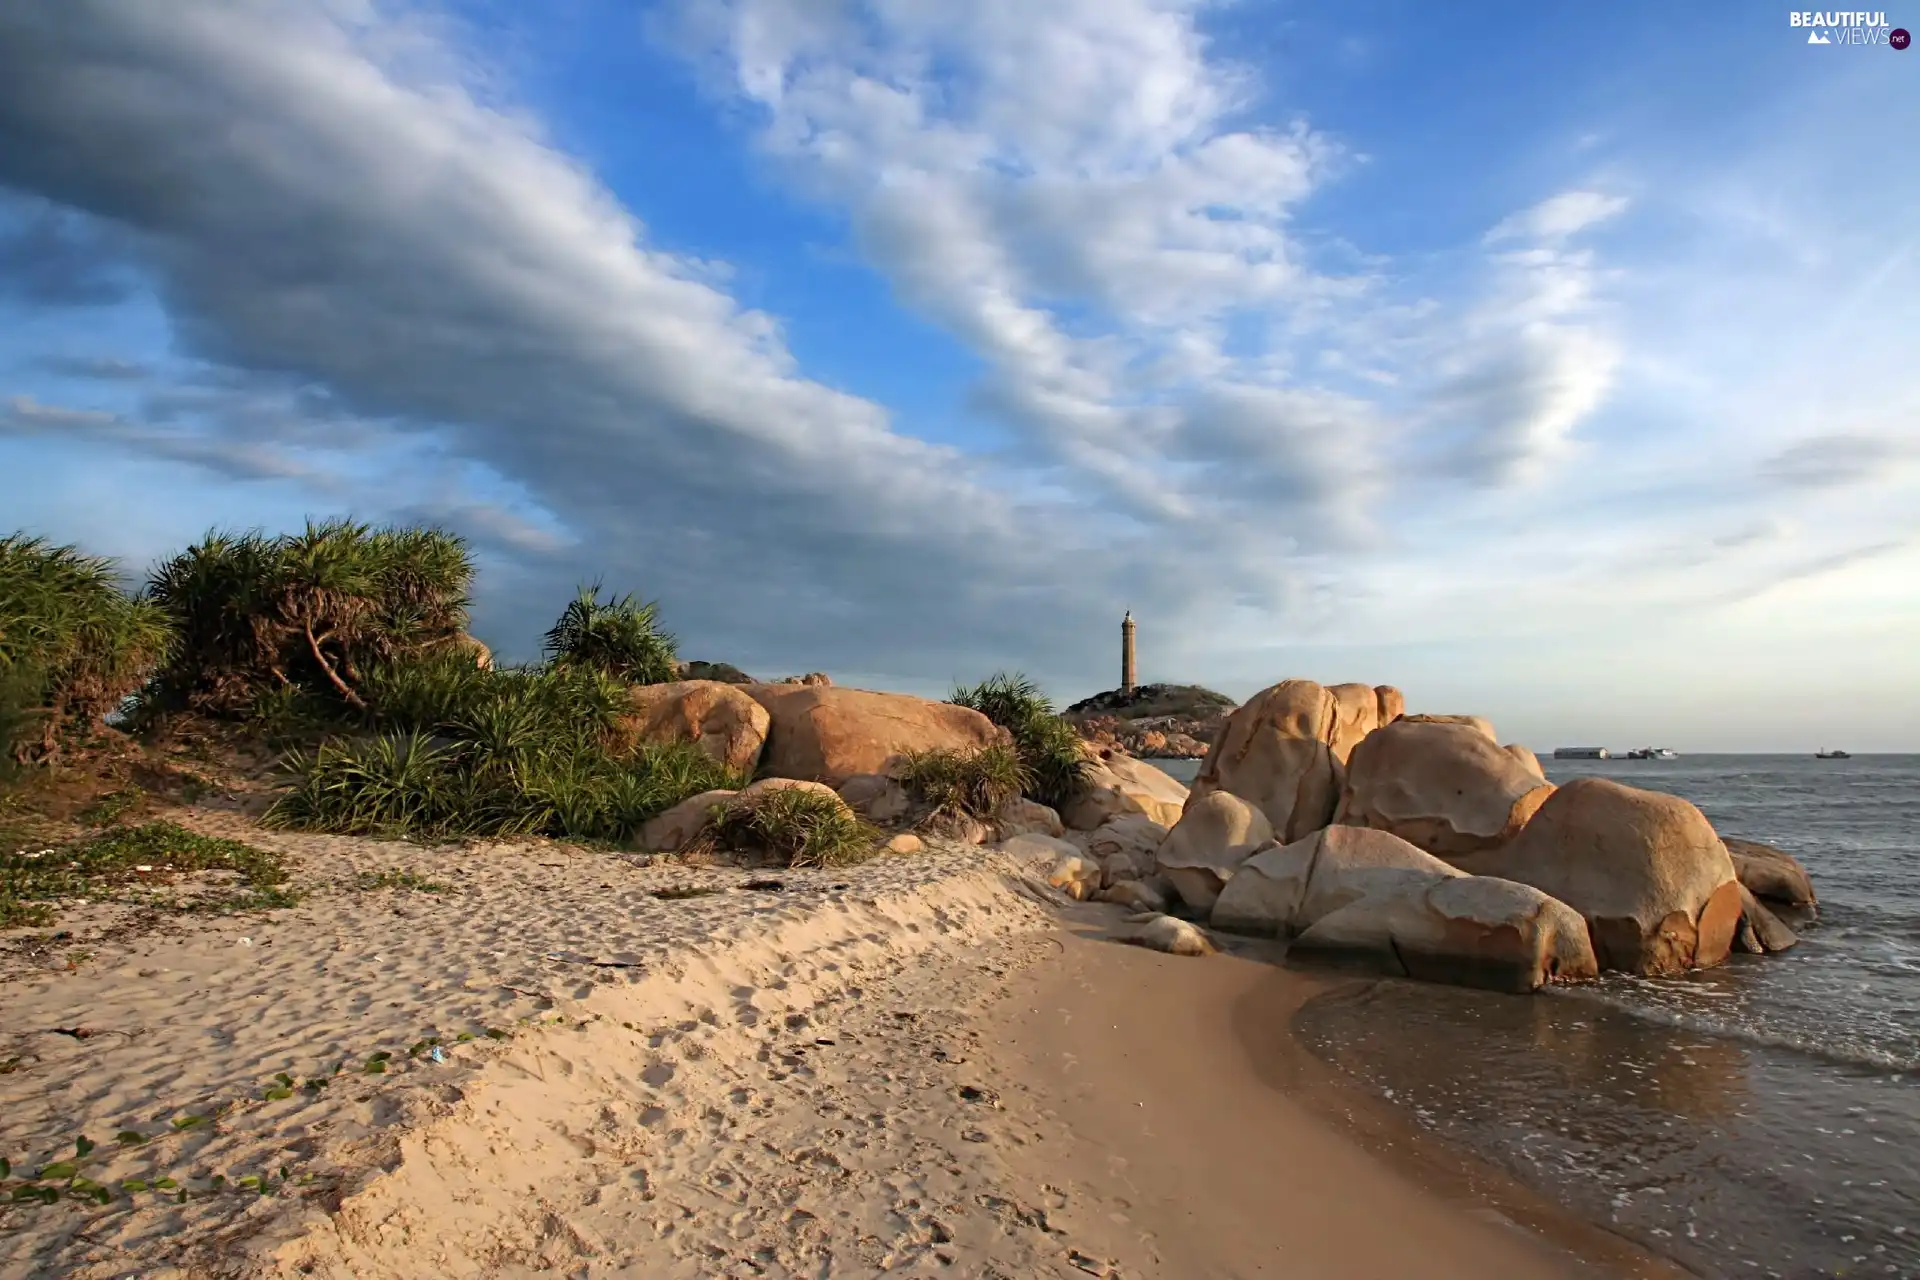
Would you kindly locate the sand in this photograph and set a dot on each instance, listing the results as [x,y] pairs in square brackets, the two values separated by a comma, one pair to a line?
[923,1065]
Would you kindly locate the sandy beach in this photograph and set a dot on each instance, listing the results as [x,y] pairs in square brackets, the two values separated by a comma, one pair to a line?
[925,1063]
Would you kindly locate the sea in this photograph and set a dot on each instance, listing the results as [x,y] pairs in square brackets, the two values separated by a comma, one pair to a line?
[1758,1119]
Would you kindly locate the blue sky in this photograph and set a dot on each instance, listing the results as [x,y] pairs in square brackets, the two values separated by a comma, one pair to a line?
[1553,363]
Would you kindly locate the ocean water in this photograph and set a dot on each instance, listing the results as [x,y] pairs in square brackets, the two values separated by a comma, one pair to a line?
[1759,1119]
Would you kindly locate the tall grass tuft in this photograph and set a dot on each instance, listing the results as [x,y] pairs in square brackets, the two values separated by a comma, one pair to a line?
[621,637]
[1048,746]
[73,645]
[795,827]
[962,783]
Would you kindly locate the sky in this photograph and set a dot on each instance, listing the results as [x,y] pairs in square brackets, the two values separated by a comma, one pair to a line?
[1555,363]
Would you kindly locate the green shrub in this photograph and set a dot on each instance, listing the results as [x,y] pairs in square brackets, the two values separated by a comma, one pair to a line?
[621,637]
[795,826]
[953,783]
[1048,745]
[311,610]
[73,645]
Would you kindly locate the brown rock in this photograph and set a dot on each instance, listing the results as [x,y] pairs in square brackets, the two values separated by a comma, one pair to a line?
[1285,889]
[722,721]
[905,842]
[1444,785]
[753,793]
[1771,874]
[1166,933]
[1760,930]
[1218,832]
[828,734]
[1020,815]
[1076,876]
[1285,750]
[1479,724]
[1644,868]
[1474,931]
[1118,784]
[876,797]
[671,831]
[1135,895]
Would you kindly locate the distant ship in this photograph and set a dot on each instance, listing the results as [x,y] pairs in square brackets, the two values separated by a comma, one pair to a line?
[1651,753]
[1582,753]
[1833,755]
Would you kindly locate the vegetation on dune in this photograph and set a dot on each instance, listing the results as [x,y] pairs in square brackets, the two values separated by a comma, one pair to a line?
[964,784]
[263,622]
[795,826]
[73,645]
[1048,746]
[146,857]
[1154,701]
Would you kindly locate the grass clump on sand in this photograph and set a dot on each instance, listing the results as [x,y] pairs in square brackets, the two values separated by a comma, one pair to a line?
[964,783]
[794,827]
[73,645]
[1048,746]
[100,865]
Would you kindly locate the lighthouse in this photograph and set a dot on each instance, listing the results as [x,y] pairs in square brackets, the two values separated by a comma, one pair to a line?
[1127,671]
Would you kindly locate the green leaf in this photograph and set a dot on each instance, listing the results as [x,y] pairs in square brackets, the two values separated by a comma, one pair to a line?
[284,1175]
[314,1086]
[83,1146]
[274,1095]
[129,1138]
[188,1122]
[380,1056]
[6,1168]
[164,1184]
[219,1181]
[374,1068]
[59,1169]
[285,1079]
[182,1197]
[463,1037]
[251,1181]
[495,1033]
[132,1185]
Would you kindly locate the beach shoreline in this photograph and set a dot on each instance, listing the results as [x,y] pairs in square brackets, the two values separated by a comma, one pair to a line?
[866,1069]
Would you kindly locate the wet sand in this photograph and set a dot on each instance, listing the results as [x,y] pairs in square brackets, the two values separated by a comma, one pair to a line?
[1216,1147]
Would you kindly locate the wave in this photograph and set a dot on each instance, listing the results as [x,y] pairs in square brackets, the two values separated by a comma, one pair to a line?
[1818,1046]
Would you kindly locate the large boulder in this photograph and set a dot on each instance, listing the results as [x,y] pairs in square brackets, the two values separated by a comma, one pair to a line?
[1135,895]
[1021,815]
[1216,834]
[825,733]
[1473,931]
[1037,852]
[1446,786]
[1117,784]
[673,830]
[718,718]
[1285,750]
[1124,846]
[1283,890]
[1770,874]
[1644,868]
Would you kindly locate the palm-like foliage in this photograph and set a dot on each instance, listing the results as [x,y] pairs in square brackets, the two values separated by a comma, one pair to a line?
[73,645]
[963,783]
[314,610]
[1048,745]
[621,637]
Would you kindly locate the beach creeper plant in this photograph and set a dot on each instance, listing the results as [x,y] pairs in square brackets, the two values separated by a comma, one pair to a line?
[794,827]
[973,784]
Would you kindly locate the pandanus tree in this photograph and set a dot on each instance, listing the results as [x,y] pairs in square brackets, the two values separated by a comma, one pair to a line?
[312,609]
[620,637]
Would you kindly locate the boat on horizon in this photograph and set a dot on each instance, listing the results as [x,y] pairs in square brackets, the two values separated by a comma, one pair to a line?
[1651,753]
[1833,755]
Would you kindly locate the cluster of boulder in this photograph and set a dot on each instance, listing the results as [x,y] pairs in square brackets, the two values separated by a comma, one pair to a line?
[1419,845]
[1415,845]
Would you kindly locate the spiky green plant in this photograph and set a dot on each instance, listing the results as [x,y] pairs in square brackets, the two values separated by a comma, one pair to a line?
[621,637]
[73,645]
[312,610]
[970,783]
[794,827]
[1048,745]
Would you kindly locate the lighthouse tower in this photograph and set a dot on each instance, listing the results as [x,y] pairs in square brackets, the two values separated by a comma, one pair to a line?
[1127,671]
